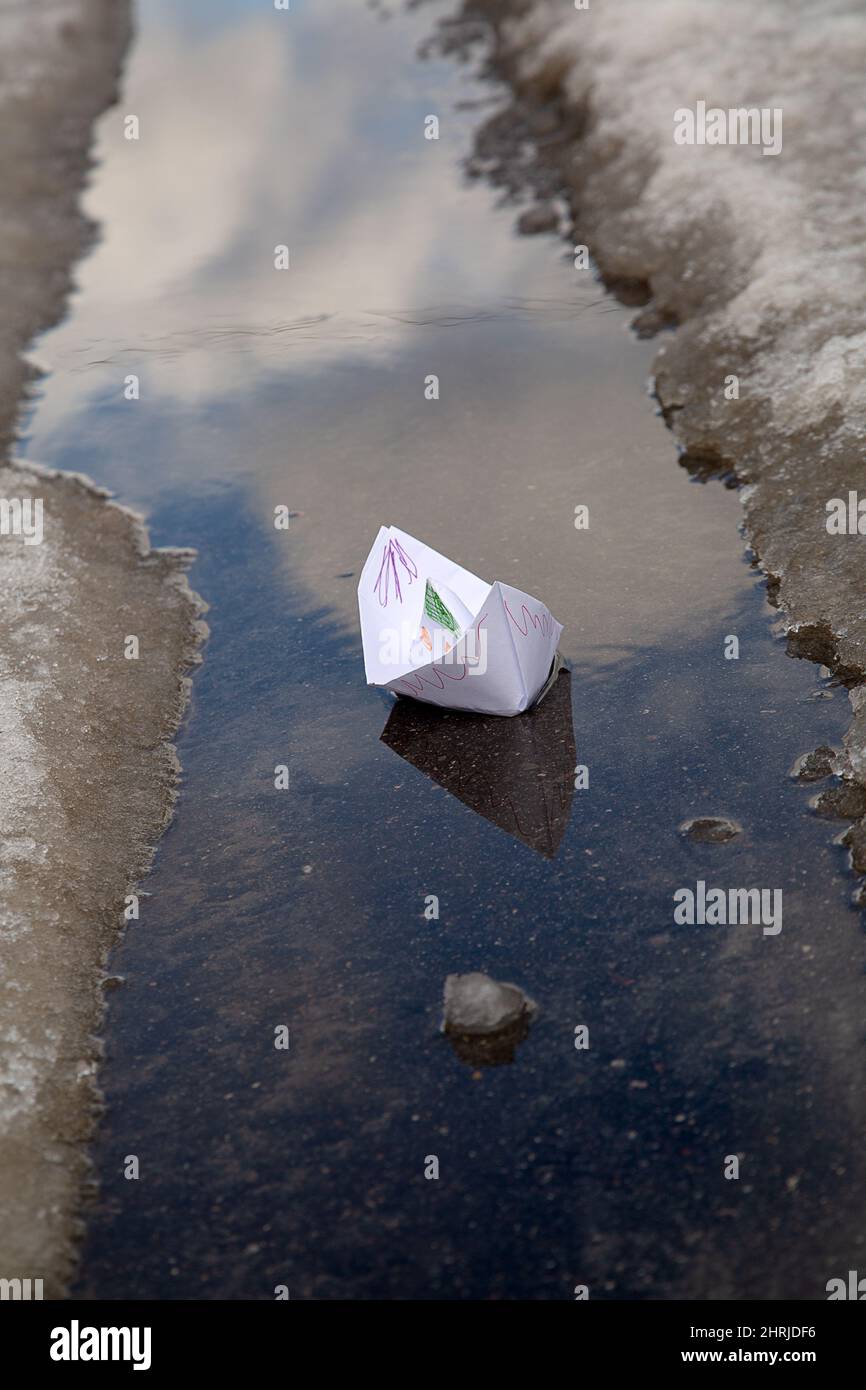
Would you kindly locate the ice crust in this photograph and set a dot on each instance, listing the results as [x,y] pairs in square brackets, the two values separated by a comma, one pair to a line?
[87,771]
[759,261]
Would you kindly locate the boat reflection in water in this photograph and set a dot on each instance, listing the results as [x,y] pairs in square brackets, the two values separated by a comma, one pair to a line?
[517,773]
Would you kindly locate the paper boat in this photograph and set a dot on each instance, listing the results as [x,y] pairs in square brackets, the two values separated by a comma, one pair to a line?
[436,632]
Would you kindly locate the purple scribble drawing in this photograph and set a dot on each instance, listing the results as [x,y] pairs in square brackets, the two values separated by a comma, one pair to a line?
[432,676]
[391,554]
[542,622]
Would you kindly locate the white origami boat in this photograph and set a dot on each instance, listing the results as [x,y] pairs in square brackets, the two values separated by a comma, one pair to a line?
[437,632]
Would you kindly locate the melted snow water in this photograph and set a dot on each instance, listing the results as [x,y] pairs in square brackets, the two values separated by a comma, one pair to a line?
[262,1167]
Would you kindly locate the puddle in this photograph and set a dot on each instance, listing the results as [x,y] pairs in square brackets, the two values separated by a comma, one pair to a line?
[312,908]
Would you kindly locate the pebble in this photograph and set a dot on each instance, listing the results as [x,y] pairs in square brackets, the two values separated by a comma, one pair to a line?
[845,802]
[710,830]
[815,766]
[476,1005]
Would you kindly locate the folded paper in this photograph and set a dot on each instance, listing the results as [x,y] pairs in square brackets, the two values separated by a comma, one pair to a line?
[439,633]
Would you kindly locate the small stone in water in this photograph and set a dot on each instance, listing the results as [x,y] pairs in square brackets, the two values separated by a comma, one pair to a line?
[475,1004]
[815,766]
[710,830]
[845,802]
